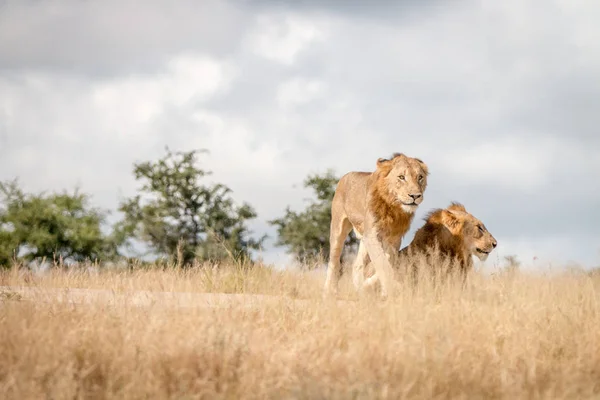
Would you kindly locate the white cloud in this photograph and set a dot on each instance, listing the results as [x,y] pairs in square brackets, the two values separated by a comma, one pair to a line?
[232,151]
[510,161]
[299,91]
[499,98]
[62,131]
[546,252]
[140,98]
[281,38]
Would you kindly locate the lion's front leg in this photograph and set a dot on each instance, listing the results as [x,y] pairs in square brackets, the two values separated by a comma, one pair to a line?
[358,267]
[381,256]
[391,254]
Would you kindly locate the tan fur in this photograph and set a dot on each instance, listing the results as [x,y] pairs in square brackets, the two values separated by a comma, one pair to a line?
[452,233]
[380,207]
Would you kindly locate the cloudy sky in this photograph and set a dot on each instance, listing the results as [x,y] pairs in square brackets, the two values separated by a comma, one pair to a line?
[500,99]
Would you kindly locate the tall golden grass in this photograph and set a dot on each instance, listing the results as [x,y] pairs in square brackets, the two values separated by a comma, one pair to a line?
[509,335]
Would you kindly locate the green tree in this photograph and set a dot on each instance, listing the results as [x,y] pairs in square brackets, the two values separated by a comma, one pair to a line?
[306,233]
[58,226]
[179,217]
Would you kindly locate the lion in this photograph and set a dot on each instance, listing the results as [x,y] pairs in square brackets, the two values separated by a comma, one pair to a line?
[451,234]
[379,206]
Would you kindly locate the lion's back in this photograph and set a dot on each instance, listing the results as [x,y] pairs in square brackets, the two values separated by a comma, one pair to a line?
[434,235]
[351,197]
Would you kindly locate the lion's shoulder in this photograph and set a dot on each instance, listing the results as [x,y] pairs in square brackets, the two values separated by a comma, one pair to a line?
[439,229]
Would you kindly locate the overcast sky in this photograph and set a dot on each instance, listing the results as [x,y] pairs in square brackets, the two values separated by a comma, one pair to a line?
[500,99]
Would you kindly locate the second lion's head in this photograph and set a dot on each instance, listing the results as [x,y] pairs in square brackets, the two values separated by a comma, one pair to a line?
[472,232]
[403,179]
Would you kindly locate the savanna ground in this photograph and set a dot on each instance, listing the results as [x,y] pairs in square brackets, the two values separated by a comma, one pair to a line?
[507,335]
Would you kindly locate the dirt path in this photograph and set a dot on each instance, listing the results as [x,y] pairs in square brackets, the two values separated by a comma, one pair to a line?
[141,298]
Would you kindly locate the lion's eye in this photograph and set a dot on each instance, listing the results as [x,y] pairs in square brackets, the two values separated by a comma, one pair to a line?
[480,228]
[420,178]
[401,177]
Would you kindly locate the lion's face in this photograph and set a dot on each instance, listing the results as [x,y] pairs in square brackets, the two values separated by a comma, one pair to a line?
[478,239]
[405,179]
[482,242]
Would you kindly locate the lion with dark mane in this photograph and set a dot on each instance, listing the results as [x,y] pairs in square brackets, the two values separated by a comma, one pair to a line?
[451,234]
[380,207]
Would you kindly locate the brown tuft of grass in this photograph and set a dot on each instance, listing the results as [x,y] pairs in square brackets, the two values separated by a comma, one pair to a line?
[510,335]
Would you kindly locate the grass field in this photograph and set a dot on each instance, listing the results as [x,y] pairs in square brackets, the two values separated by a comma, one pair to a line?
[509,335]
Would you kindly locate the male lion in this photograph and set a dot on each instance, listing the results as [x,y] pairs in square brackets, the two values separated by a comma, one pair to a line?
[380,207]
[452,234]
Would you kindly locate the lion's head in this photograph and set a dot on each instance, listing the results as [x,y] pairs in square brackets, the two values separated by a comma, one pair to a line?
[403,180]
[475,236]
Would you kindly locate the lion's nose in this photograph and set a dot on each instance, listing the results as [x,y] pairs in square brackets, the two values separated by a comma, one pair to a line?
[494,244]
[415,196]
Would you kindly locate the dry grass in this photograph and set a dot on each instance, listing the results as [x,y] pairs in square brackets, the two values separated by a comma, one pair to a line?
[511,336]
[199,279]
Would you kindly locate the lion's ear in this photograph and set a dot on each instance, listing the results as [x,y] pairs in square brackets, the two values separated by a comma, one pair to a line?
[424,166]
[450,220]
[381,162]
[454,206]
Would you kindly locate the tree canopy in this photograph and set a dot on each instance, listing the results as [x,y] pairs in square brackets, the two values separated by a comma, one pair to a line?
[306,233]
[175,213]
[57,226]
[178,216]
